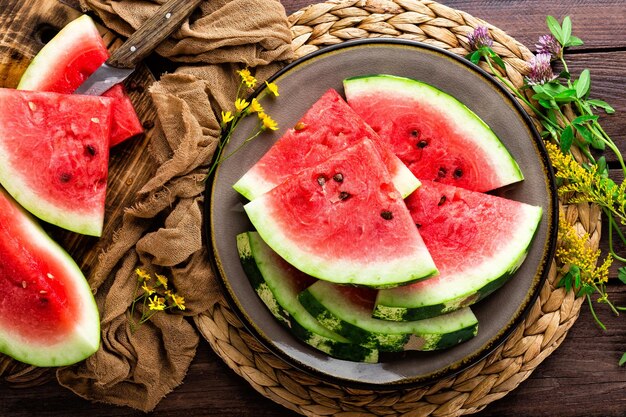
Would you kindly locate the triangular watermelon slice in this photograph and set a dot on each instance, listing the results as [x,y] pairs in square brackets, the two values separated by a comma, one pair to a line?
[477,242]
[344,221]
[433,133]
[48,316]
[67,60]
[54,153]
[329,126]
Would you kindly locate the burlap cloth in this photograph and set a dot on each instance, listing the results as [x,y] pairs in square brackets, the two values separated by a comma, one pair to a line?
[162,231]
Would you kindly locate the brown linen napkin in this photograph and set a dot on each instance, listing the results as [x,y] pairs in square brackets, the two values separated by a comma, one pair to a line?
[162,231]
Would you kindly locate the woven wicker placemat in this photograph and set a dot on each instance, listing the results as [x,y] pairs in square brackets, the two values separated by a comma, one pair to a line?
[543,330]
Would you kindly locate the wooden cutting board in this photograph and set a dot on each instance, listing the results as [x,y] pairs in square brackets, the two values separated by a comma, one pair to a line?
[25,27]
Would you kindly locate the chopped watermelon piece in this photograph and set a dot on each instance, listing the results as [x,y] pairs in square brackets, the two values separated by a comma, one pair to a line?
[477,241]
[344,221]
[54,153]
[48,316]
[433,133]
[70,58]
[329,126]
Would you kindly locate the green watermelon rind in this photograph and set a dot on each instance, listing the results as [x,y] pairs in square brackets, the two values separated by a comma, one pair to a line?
[463,290]
[85,339]
[506,166]
[266,280]
[383,274]
[332,310]
[72,33]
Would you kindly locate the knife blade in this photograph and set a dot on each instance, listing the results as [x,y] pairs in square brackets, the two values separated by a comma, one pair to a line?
[139,45]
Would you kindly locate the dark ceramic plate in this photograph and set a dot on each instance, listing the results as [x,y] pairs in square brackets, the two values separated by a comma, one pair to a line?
[301,84]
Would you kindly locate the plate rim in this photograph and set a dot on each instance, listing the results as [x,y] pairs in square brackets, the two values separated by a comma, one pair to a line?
[503,334]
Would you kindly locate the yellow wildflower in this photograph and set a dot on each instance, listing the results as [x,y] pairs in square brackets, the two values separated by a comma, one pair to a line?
[227,117]
[255,106]
[247,78]
[162,280]
[240,104]
[268,122]
[574,250]
[142,275]
[147,289]
[179,301]
[157,303]
[273,88]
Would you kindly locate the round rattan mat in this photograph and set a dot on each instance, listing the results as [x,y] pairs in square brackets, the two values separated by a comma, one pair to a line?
[543,330]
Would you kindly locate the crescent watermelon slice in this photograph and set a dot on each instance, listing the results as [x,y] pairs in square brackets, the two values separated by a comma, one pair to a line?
[70,58]
[474,258]
[54,153]
[48,316]
[434,134]
[344,221]
[329,126]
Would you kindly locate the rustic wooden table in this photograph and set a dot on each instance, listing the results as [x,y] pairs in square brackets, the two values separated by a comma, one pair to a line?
[582,378]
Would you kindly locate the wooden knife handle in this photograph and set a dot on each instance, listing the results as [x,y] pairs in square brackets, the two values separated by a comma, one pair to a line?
[152,32]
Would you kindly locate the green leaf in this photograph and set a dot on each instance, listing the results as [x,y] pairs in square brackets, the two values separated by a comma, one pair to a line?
[566,96]
[498,61]
[567,138]
[474,57]
[586,289]
[565,281]
[555,28]
[622,361]
[584,118]
[583,83]
[566,30]
[584,132]
[547,103]
[603,172]
[600,104]
[574,41]
[621,274]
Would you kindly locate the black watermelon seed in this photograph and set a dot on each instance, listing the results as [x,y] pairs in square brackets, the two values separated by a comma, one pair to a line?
[415,133]
[321,180]
[442,200]
[65,177]
[387,215]
[344,195]
[422,144]
[442,172]
[418,225]
[90,150]
[458,173]
[148,124]
[338,177]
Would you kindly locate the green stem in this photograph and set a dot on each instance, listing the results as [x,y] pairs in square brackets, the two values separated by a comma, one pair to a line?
[241,146]
[613,224]
[593,312]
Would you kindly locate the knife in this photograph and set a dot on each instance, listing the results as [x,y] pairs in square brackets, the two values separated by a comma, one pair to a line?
[140,44]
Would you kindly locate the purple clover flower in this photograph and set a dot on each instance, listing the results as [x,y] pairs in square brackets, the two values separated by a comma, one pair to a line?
[479,37]
[549,45]
[540,70]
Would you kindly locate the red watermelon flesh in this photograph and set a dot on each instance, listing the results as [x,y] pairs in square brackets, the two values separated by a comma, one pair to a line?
[70,58]
[343,221]
[329,126]
[477,241]
[48,315]
[434,134]
[54,156]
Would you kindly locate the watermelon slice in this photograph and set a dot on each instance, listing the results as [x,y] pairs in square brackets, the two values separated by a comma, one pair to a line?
[343,221]
[434,134]
[48,316]
[477,242]
[54,153]
[330,125]
[278,284]
[347,311]
[67,60]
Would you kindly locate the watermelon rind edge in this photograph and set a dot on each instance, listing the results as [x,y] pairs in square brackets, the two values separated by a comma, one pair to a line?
[287,311]
[337,313]
[84,340]
[466,290]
